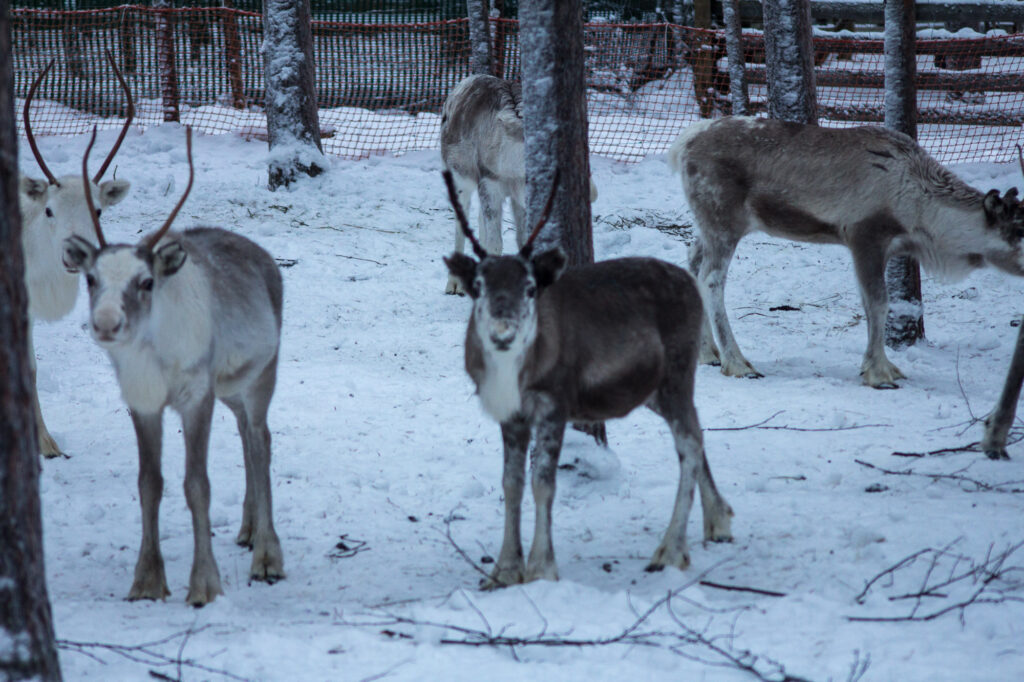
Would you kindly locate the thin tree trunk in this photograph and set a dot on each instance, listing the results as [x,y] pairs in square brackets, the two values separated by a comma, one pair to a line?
[904,324]
[233,55]
[27,647]
[479,36]
[737,63]
[555,125]
[165,53]
[789,58]
[498,50]
[293,127]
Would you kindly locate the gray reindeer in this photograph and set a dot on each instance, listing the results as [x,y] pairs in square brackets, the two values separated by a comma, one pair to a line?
[187,318]
[52,210]
[872,190]
[482,145]
[547,345]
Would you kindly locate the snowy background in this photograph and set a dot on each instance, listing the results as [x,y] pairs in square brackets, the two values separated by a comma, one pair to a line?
[381,448]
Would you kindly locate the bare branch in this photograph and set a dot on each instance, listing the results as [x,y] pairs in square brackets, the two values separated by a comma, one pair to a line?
[1004,487]
[762,425]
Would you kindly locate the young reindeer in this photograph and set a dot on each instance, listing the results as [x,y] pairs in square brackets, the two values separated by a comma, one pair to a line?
[872,190]
[52,210]
[545,347]
[482,146]
[186,318]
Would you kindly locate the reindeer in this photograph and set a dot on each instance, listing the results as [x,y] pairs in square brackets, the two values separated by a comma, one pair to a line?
[588,344]
[482,146]
[53,210]
[872,190]
[998,423]
[188,317]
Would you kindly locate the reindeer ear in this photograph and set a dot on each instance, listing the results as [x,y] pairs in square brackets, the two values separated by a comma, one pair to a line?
[32,188]
[463,268]
[169,258]
[78,254]
[113,191]
[548,266]
[995,209]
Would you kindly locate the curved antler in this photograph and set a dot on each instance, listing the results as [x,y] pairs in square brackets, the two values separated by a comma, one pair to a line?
[453,196]
[158,235]
[127,123]
[28,126]
[88,191]
[528,246]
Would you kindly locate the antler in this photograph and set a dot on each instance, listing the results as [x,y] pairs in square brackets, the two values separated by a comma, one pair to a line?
[1020,157]
[453,196]
[528,246]
[127,123]
[152,241]
[28,126]
[88,191]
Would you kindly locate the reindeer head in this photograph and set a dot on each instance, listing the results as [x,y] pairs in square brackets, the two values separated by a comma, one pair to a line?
[60,200]
[122,279]
[504,289]
[1005,214]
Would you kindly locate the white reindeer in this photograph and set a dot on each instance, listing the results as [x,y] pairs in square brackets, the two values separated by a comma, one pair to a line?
[51,211]
[594,343]
[188,318]
[872,190]
[482,146]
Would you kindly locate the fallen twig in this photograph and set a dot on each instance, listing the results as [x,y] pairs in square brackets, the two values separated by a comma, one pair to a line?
[763,425]
[955,476]
[741,588]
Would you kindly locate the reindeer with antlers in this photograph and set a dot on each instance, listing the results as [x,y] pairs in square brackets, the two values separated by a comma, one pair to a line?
[547,345]
[187,318]
[52,210]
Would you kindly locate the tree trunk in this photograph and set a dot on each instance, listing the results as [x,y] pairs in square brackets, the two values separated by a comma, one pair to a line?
[27,647]
[293,127]
[555,125]
[737,64]
[498,50]
[789,59]
[479,36]
[233,54]
[165,53]
[904,324]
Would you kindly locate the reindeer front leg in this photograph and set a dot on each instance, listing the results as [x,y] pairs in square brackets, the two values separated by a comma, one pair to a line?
[47,445]
[997,424]
[204,583]
[150,580]
[515,437]
[543,467]
[869,264]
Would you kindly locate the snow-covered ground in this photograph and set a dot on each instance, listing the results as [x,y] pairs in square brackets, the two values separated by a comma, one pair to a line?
[381,448]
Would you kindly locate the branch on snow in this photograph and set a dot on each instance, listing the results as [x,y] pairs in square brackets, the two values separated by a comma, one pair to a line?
[957,476]
[763,425]
[947,575]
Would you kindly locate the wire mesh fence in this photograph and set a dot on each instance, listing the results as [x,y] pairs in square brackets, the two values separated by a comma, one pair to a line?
[381,85]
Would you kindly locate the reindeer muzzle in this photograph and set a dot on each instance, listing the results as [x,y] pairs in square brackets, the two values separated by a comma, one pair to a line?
[503,333]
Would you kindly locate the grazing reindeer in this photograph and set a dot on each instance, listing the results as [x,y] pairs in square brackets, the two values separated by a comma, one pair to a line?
[588,345]
[482,146]
[52,210]
[872,190]
[186,318]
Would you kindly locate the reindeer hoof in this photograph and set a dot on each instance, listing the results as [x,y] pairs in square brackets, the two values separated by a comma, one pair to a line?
[997,454]
[502,577]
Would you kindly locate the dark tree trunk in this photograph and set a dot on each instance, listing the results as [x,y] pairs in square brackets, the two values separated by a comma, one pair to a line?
[233,55]
[789,59]
[165,53]
[555,124]
[27,647]
[479,36]
[904,325]
[737,64]
[293,127]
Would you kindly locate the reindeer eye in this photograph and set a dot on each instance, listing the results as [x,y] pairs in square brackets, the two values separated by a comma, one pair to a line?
[146,284]
[49,212]
[531,290]
[90,281]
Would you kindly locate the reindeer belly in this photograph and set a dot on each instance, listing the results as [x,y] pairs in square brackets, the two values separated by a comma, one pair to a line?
[782,219]
[616,387]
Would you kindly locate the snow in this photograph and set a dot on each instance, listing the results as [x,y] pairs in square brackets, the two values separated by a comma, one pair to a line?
[378,440]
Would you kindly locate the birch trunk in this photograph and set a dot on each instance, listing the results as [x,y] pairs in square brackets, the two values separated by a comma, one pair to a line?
[789,58]
[479,36]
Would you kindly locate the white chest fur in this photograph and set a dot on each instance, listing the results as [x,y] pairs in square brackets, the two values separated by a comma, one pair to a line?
[498,388]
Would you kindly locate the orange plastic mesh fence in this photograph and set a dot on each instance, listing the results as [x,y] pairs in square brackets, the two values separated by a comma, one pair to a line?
[381,86]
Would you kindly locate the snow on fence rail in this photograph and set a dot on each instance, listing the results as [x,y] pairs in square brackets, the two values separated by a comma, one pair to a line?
[380,86]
